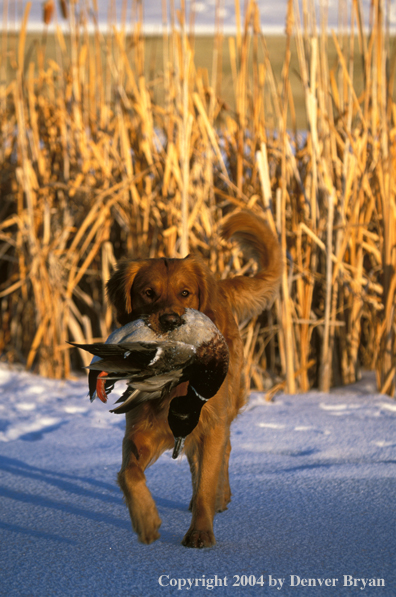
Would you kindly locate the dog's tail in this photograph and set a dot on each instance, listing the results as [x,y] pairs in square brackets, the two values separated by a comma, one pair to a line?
[250,296]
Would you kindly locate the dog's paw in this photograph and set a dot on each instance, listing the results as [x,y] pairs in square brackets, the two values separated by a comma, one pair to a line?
[147,526]
[149,535]
[199,539]
[221,508]
[222,503]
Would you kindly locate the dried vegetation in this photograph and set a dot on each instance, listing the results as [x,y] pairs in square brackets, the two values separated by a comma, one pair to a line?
[93,167]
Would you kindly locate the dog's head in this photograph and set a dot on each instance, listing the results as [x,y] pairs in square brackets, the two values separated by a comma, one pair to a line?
[161,287]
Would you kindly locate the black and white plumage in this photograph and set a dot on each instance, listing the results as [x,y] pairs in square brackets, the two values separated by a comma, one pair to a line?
[153,363]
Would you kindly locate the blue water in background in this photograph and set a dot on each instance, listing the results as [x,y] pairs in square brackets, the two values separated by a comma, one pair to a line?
[272,14]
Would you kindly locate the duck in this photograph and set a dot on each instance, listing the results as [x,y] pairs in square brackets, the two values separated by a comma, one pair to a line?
[153,363]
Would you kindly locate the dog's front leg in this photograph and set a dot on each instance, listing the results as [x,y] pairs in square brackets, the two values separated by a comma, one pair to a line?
[211,452]
[136,456]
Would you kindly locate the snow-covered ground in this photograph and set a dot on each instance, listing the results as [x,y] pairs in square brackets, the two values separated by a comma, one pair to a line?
[313,481]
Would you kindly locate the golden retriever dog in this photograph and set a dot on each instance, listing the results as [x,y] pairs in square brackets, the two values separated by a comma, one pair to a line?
[164,288]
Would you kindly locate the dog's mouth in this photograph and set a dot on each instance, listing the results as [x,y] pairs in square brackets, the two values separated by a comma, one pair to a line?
[162,323]
[170,321]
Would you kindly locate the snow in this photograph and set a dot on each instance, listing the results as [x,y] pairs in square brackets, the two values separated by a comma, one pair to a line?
[313,482]
[272,14]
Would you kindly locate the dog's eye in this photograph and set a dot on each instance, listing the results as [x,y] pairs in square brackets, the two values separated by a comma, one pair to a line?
[149,292]
[185,293]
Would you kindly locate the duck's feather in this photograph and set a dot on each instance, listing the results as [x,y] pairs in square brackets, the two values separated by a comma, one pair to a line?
[153,363]
[150,357]
[139,353]
[128,398]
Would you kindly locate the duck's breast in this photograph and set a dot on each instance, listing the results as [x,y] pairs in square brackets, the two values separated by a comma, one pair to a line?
[196,329]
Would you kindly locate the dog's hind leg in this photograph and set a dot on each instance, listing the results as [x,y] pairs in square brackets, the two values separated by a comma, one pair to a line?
[224,491]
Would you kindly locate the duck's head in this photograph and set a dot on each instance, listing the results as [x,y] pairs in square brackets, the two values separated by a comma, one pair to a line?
[183,417]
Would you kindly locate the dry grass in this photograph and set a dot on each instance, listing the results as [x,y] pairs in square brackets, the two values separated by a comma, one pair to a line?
[204,46]
[98,160]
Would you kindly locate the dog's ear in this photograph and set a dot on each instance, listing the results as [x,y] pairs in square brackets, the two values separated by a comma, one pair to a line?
[119,288]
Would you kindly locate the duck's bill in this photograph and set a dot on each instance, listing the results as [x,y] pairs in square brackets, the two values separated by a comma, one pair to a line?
[179,445]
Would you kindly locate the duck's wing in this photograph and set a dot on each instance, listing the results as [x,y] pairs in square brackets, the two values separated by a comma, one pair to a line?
[156,382]
[165,370]
[136,354]
[149,388]
[151,356]
[129,399]
[132,397]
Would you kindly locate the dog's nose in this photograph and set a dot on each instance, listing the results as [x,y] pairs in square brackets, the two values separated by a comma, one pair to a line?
[170,321]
